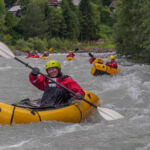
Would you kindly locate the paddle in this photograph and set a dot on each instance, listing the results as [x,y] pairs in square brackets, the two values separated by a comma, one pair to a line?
[75,50]
[51,49]
[91,55]
[106,113]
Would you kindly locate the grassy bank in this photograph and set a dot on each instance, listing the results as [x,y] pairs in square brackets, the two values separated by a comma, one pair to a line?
[60,45]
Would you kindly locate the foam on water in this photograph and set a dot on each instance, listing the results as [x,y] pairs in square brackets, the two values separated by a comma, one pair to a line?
[71,129]
[127,93]
[17,145]
[5,68]
[145,147]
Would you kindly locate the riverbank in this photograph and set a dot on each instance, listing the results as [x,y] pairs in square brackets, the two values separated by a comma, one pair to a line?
[95,50]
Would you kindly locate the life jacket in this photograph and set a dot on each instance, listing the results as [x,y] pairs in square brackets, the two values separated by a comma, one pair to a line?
[112,64]
[91,59]
[43,83]
[54,96]
[45,55]
[30,55]
[71,55]
[36,56]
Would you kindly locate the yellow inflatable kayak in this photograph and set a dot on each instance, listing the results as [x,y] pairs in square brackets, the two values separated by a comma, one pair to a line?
[75,113]
[100,69]
[45,57]
[98,60]
[69,58]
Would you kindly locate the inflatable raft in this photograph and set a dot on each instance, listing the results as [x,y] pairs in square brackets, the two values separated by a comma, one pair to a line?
[69,58]
[44,57]
[36,56]
[98,60]
[75,113]
[100,69]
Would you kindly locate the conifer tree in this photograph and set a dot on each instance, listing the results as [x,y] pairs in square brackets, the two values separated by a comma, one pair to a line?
[54,19]
[34,23]
[2,21]
[89,20]
[132,29]
[70,19]
[145,29]
[123,30]
[2,7]
[9,3]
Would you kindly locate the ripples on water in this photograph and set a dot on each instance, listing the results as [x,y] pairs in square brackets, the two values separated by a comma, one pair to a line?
[127,93]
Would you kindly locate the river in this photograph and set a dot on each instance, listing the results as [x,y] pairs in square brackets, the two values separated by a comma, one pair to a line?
[127,93]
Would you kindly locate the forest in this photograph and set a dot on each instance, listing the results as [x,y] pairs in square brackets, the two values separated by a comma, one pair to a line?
[41,26]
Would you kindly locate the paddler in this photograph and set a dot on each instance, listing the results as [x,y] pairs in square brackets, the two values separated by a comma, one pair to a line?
[111,62]
[54,95]
[71,54]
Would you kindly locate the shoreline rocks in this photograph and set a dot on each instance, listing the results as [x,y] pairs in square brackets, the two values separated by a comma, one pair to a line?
[95,50]
[19,53]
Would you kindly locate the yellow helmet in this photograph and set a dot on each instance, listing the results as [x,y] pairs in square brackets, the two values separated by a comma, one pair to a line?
[112,57]
[52,63]
[70,51]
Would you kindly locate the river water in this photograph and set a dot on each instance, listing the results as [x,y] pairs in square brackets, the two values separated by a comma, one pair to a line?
[127,93]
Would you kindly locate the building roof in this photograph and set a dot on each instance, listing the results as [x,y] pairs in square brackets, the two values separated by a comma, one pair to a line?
[54,1]
[113,4]
[15,8]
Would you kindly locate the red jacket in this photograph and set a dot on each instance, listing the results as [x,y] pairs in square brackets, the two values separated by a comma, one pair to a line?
[41,83]
[30,55]
[70,55]
[36,56]
[112,64]
[91,59]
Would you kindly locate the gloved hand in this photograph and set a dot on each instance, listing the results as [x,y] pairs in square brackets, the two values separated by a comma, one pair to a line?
[79,96]
[35,71]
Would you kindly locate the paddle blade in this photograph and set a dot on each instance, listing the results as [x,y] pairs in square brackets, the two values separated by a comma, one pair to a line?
[76,49]
[90,54]
[51,49]
[5,51]
[109,114]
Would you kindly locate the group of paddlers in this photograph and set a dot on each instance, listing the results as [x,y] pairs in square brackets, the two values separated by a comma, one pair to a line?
[110,61]
[34,54]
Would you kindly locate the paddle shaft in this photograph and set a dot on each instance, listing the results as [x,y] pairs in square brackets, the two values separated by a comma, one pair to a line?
[91,55]
[27,65]
[75,50]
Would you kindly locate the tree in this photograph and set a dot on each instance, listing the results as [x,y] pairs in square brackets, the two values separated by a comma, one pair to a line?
[89,20]
[70,19]
[145,32]
[9,2]
[54,18]
[2,21]
[10,21]
[99,2]
[24,4]
[106,15]
[2,7]
[107,2]
[131,32]
[123,33]
[34,23]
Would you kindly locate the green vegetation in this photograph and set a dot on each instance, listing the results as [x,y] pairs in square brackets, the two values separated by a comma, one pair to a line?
[132,30]
[107,45]
[42,26]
